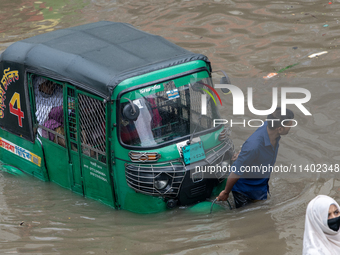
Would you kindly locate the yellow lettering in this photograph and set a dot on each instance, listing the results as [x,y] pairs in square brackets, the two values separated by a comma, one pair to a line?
[9,77]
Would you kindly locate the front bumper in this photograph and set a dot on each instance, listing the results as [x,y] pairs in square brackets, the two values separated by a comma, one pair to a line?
[184,184]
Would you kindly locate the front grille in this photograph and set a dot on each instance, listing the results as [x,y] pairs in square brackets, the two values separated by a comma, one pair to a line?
[141,177]
[215,153]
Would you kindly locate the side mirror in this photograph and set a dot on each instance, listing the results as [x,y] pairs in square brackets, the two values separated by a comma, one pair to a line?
[131,111]
[225,80]
[197,87]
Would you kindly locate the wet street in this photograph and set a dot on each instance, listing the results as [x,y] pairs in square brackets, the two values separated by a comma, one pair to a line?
[248,40]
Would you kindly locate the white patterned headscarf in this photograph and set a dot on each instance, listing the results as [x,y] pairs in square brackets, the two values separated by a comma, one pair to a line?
[318,238]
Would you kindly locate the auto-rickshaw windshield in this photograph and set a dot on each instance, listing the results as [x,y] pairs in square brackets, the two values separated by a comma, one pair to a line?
[156,114]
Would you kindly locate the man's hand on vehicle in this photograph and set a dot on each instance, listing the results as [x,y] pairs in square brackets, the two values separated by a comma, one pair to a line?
[223,196]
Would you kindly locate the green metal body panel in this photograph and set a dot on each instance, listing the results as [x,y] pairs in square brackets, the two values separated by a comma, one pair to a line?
[58,169]
[97,181]
[19,162]
[157,75]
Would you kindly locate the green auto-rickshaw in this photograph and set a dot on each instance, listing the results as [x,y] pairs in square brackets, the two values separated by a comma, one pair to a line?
[114,114]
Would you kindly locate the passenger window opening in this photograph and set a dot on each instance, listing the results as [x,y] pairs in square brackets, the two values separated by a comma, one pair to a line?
[49,109]
[49,113]
[92,126]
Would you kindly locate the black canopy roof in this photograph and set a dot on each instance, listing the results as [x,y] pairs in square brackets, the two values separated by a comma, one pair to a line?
[97,56]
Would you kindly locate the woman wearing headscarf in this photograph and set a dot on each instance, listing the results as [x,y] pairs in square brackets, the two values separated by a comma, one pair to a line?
[322,235]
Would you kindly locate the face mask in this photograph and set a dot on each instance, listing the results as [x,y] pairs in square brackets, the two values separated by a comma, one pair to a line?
[334,224]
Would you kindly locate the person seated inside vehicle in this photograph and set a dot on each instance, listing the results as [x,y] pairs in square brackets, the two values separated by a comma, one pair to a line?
[143,130]
[49,110]
[55,122]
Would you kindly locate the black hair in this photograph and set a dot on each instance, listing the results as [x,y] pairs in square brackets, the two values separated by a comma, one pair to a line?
[274,120]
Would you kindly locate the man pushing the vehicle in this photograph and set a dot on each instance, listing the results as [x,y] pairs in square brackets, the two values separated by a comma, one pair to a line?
[259,152]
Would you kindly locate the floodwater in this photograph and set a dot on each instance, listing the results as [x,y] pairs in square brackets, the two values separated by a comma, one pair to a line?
[248,39]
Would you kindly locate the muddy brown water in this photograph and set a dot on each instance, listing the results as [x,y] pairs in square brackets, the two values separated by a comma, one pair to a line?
[247,39]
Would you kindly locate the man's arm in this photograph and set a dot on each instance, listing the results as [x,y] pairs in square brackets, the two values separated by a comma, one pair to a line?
[244,158]
[232,179]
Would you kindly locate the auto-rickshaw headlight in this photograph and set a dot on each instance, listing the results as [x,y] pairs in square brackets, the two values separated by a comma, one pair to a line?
[161,181]
[224,170]
[224,164]
[144,156]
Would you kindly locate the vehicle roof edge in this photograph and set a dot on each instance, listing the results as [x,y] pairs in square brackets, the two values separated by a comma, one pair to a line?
[98,56]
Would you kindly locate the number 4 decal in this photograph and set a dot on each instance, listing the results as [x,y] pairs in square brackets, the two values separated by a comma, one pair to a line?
[17,111]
